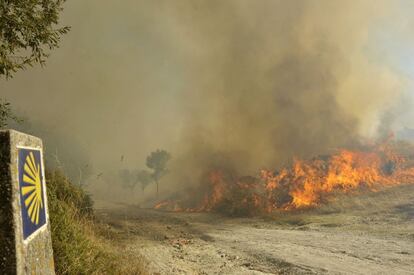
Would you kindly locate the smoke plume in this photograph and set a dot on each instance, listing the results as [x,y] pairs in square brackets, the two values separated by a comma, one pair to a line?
[237,84]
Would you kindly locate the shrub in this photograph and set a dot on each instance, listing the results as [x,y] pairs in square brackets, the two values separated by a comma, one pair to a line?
[78,243]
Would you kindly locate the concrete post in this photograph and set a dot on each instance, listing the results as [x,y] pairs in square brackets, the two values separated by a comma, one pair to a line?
[25,238]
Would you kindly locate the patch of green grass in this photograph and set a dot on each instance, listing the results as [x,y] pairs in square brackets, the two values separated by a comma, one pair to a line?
[80,244]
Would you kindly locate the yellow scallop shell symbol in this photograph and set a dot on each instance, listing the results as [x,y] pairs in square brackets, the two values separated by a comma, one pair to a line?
[32,193]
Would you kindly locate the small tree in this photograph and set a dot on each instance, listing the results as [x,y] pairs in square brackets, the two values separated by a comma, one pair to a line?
[27,31]
[145,178]
[157,161]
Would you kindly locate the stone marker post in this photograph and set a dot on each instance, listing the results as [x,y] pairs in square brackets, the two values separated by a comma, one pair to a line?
[25,241]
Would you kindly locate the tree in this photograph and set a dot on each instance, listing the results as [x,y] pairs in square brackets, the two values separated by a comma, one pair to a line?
[145,178]
[28,29]
[157,161]
[6,114]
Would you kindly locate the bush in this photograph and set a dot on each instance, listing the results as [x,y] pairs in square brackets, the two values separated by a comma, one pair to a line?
[78,243]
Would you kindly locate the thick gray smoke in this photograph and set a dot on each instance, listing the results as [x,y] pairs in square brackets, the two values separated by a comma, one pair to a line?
[242,84]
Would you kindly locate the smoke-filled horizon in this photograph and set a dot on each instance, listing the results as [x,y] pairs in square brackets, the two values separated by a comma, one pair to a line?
[242,84]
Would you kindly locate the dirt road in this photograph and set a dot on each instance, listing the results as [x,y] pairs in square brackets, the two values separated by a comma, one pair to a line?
[371,234]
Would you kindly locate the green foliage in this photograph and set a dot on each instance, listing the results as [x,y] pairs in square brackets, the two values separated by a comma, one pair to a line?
[62,190]
[145,178]
[6,114]
[79,244]
[70,211]
[27,31]
[157,161]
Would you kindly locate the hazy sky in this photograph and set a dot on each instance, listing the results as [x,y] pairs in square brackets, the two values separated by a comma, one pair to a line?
[256,81]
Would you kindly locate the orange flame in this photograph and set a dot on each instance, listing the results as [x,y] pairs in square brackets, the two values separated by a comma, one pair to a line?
[305,183]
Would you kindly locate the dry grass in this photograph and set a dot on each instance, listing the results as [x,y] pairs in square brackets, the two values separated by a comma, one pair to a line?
[82,245]
[389,211]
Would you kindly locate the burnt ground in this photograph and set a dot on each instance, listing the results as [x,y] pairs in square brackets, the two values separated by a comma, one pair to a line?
[369,233]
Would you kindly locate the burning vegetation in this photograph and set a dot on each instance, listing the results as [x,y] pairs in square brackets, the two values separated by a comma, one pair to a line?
[305,184]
